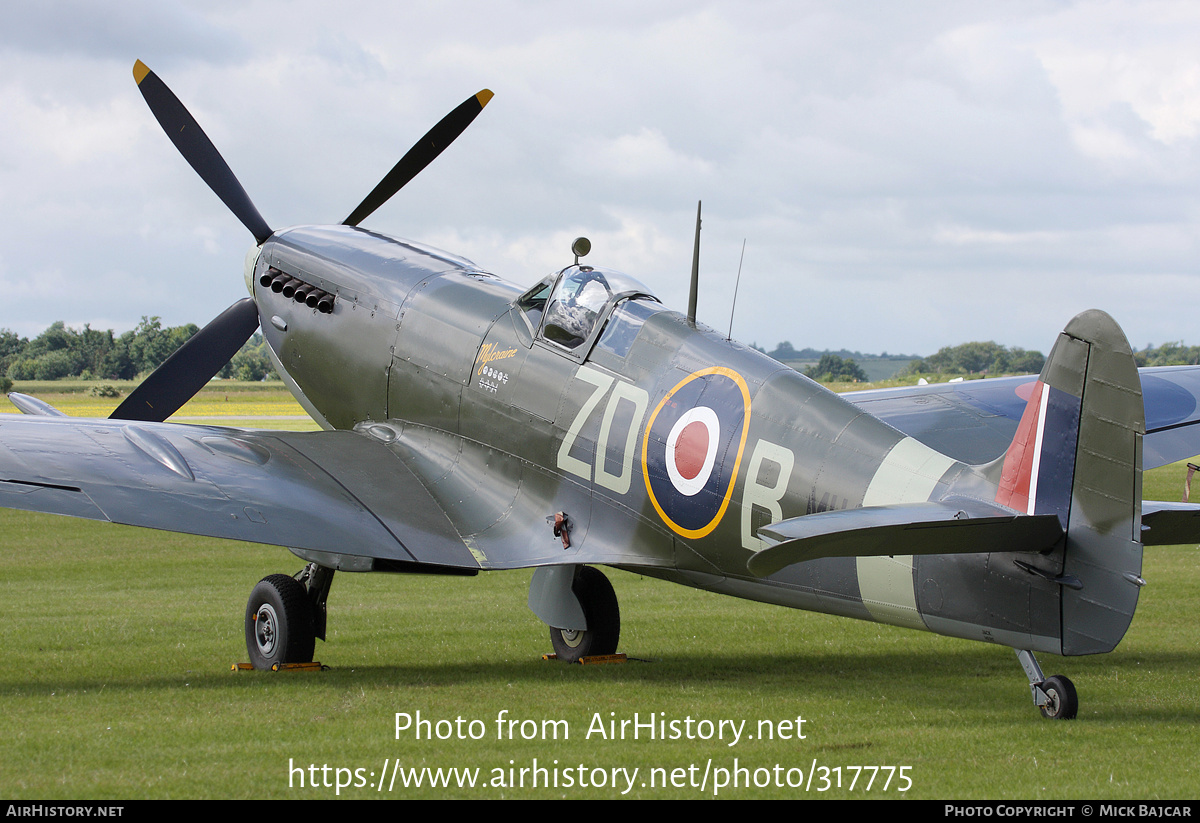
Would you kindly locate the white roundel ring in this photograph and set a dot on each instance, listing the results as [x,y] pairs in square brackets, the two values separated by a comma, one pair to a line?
[692,449]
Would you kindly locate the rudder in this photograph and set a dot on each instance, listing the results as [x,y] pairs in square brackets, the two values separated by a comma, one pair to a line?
[1077,454]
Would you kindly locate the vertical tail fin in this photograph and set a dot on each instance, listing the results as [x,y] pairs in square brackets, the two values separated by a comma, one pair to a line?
[1078,454]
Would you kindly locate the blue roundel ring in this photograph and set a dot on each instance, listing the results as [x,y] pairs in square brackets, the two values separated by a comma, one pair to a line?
[693,448]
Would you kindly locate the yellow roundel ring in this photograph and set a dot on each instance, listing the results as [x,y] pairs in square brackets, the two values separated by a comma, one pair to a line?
[727,492]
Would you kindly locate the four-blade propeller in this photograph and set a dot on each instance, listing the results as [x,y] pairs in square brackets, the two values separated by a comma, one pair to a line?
[197,361]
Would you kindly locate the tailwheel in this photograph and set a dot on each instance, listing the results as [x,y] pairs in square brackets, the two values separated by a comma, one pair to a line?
[599,603]
[1062,702]
[1054,696]
[279,623]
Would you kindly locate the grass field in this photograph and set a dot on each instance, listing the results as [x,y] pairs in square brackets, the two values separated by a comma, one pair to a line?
[116,683]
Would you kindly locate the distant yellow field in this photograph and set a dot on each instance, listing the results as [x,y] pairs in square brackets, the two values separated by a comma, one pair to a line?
[259,408]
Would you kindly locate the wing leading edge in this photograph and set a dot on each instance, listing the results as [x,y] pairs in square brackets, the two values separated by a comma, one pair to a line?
[338,493]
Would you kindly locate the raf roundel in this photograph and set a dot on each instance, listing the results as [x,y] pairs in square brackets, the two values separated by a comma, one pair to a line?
[693,447]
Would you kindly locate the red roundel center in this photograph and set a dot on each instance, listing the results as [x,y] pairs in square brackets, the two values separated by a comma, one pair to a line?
[691,449]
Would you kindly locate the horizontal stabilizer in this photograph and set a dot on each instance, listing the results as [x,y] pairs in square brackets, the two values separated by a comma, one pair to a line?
[953,526]
[1168,524]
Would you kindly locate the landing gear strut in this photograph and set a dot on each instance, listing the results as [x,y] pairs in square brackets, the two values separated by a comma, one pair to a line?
[285,615]
[1054,696]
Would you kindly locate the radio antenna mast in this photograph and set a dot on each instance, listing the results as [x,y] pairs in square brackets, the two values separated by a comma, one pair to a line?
[735,289]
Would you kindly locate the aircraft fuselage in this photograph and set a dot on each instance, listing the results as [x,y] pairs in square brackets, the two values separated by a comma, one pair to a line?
[659,438]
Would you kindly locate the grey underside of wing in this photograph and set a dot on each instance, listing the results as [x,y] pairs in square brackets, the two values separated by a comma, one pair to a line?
[336,492]
[975,421]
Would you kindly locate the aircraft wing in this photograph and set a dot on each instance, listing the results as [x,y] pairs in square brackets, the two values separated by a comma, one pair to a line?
[975,420]
[333,492]
[1169,524]
[385,497]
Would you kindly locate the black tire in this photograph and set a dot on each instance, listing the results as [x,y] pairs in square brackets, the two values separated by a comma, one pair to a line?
[1064,703]
[599,603]
[279,623]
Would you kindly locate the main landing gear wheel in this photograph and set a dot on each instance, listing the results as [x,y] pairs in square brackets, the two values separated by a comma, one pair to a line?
[279,623]
[599,603]
[1064,704]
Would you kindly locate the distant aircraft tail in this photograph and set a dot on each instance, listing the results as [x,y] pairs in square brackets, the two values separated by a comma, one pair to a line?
[1078,454]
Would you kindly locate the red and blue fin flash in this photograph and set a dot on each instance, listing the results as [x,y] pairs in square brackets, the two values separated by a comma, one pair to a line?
[1039,467]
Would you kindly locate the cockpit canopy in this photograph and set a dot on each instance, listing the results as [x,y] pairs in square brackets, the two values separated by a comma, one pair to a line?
[566,308]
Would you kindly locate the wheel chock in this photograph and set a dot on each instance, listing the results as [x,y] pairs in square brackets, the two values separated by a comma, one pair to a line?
[603,658]
[315,666]
[595,659]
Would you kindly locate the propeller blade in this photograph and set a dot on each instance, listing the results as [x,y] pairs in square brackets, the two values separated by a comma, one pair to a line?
[198,150]
[192,365]
[420,155]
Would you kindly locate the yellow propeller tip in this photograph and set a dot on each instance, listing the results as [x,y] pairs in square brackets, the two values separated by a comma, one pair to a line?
[484,96]
[140,70]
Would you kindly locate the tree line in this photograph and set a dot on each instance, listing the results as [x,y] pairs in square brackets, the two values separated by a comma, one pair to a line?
[978,358]
[1168,354]
[61,352]
[834,369]
[991,358]
[786,351]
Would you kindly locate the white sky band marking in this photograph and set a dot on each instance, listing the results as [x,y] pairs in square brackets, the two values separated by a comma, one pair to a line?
[909,473]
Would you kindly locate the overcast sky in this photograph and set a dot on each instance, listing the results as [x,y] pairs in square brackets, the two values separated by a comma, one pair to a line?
[905,175]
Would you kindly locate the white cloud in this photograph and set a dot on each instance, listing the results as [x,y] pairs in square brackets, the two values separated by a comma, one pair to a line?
[1120,54]
[880,153]
[643,155]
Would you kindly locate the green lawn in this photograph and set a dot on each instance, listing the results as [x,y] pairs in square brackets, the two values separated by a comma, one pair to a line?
[117,645]
[116,683]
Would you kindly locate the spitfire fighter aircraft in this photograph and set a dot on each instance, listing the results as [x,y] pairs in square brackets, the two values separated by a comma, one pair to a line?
[473,425]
